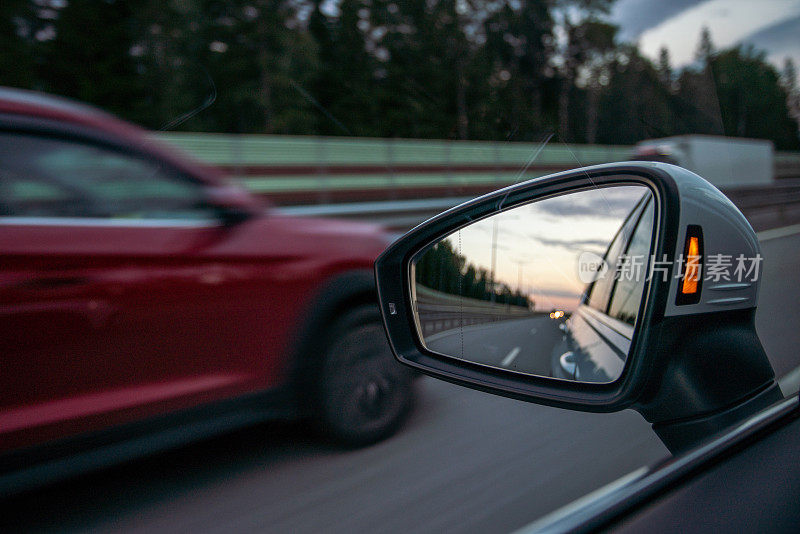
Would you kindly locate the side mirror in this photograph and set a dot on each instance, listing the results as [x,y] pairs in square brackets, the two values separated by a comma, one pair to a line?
[617,286]
[232,204]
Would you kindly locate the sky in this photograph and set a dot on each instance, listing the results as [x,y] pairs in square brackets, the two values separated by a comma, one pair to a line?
[770,25]
[539,245]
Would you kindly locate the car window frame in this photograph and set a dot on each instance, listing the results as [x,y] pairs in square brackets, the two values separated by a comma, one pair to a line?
[633,218]
[648,200]
[77,134]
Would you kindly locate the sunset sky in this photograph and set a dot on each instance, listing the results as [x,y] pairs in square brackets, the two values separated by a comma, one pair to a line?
[541,241]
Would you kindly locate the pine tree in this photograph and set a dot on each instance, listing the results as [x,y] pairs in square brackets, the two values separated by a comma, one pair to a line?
[664,67]
[705,47]
[789,83]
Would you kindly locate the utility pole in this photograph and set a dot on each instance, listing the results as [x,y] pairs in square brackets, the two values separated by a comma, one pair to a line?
[494,257]
[519,263]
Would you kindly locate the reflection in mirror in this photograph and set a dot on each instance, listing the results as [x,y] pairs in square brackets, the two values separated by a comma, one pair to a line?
[551,288]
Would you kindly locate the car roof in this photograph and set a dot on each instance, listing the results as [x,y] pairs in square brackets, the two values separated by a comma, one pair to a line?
[35,104]
[24,98]
[32,104]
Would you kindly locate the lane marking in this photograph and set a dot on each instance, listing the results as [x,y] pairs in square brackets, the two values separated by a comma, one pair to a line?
[510,357]
[775,233]
[790,382]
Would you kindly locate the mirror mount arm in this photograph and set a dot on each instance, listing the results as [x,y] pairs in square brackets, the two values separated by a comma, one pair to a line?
[679,436]
[712,375]
[232,216]
[232,204]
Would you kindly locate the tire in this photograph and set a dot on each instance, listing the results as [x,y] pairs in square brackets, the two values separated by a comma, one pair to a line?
[364,394]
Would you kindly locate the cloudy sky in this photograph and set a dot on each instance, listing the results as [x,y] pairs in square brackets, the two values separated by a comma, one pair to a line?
[770,25]
[539,245]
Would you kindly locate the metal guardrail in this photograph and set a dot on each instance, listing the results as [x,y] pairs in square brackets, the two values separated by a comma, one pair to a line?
[303,170]
[768,207]
[787,166]
[757,197]
[395,214]
[763,206]
[286,152]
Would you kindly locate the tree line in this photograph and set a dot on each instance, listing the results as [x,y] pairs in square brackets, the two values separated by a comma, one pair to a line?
[442,268]
[508,70]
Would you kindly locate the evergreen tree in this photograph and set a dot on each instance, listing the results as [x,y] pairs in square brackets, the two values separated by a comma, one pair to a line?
[514,60]
[635,104]
[705,48]
[462,69]
[789,83]
[752,102]
[664,67]
[19,27]
[89,57]
[585,38]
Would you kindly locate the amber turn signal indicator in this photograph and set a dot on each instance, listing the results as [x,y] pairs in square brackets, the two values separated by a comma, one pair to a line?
[692,275]
[691,279]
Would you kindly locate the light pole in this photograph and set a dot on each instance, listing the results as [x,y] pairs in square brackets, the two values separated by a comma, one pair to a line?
[494,258]
[520,264]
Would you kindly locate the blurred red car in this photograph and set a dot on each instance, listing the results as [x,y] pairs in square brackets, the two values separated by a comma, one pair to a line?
[140,291]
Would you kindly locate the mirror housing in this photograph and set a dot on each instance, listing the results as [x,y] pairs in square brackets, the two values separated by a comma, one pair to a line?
[693,368]
[233,204]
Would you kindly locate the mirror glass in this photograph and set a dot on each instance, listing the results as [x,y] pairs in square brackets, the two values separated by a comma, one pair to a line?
[550,288]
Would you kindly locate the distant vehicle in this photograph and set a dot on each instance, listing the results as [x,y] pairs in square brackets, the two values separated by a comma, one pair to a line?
[724,161]
[140,293]
[597,337]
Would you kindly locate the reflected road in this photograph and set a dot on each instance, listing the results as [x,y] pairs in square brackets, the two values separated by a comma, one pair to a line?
[525,345]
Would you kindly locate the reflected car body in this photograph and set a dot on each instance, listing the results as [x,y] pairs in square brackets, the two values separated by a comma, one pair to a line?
[597,336]
[594,348]
[138,284]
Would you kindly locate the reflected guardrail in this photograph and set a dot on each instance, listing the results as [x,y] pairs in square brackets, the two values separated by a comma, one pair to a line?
[439,312]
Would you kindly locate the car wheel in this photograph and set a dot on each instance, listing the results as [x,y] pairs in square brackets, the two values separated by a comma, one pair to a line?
[365,393]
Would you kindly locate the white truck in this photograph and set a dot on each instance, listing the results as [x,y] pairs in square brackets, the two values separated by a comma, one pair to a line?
[726,162]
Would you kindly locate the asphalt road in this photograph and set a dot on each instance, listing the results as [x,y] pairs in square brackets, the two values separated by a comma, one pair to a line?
[465,462]
[525,345]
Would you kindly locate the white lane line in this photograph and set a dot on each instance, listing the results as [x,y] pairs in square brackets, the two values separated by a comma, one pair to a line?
[790,382]
[775,233]
[510,357]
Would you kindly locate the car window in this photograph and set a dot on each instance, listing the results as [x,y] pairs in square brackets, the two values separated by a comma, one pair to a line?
[601,289]
[627,294]
[48,177]
[33,196]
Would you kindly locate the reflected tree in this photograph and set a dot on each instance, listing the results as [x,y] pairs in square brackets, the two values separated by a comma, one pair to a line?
[442,268]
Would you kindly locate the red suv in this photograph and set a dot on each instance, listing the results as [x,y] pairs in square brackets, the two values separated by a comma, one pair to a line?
[144,299]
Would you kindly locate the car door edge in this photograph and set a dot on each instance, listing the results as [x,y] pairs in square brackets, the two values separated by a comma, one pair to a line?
[622,498]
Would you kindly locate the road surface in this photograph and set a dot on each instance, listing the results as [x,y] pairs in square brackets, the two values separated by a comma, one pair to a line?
[465,462]
[525,345]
